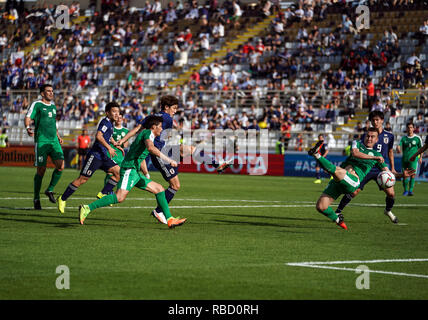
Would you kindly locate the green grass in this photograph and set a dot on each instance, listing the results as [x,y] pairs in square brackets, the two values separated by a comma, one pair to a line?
[224,251]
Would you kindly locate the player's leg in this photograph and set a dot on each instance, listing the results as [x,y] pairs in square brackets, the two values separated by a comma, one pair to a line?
[412,165]
[112,168]
[159,193]
[90,166]
[41,155]
[406,181]
[347,198]
[57,156]
[170,174]
[325,201]
[389,203]
[201,156]
[317,173]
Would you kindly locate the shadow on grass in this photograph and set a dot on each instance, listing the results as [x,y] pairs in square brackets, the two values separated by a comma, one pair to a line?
[265,224]
[264,217]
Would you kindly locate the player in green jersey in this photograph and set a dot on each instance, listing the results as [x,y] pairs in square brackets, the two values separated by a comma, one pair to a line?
[421,150]
[408,146]
[118,133]
[130,175]
[347,177]
[47,142]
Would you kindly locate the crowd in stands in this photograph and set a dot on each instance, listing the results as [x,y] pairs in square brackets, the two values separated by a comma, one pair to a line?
[66,59]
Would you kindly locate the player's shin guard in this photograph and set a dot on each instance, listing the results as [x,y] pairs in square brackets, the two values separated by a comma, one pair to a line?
[169,194]
[68,192]
[108,188]
[326,164]
[163,204]
[389,203]
[343,203]
[103,202]
[37,186]
[56,175]
[329,213]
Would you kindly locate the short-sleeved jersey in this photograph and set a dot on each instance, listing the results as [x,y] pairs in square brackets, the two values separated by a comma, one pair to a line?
[118,134]
[83,141]
[362,166]
[44,116]
[167,123]
[410,145]
[384,143]
[138,150]
[106,127]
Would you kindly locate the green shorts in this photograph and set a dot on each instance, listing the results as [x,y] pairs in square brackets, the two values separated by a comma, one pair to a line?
[44,149]
[118,158]
[348,185]
[129,178]
[410,165]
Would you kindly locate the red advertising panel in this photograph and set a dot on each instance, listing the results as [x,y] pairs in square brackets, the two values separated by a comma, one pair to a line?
[21,156]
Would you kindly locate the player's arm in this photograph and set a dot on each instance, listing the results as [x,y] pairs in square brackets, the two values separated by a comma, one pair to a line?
[59,137]
[360,155]
[99,137]
[420,151]
[144,169]
[156,152]
[130,134]
[405,174]
[27,122]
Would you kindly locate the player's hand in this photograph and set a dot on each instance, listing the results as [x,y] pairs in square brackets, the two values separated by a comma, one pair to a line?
[112,152]
[60,140]
[394,171]
[408,172]
[30,132]
[380,159]
[173,163]
[121,142]
[121,149]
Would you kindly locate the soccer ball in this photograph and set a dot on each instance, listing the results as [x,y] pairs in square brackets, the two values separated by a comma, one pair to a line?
[385,179]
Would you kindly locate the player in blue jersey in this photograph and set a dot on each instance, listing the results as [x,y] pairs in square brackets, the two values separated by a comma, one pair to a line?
[168,106]
[384,146]
[99,156]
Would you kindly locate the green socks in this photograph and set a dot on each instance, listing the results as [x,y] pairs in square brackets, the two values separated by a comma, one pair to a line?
[325,164]
[103,202]
[329,213]
[163,204]
[406,184]
[56,175]
[37,186]
[412,184]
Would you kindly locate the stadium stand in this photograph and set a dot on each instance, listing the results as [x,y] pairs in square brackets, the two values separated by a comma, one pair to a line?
[296,68]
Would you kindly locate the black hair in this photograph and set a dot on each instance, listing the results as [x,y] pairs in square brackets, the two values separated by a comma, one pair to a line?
[372,129]
[152,120]
[376,113]
[44,86]
[168,101]
[111,105]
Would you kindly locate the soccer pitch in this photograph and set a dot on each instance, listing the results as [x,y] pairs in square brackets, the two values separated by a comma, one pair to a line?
[247,237]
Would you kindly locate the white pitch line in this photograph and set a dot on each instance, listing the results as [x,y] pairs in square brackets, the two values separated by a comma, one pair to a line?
[359,261]
[354,270]
[184,207]
[322,265]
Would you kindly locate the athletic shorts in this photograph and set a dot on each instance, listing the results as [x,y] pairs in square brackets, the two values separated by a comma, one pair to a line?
[82,151]
[372,175]
[348,185]
[410,165]
[44,149]
[130,177]
[168,172]
[118,158]
[92,164]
